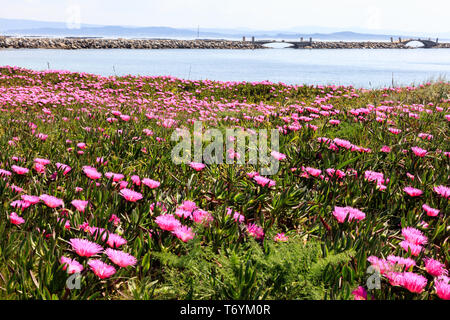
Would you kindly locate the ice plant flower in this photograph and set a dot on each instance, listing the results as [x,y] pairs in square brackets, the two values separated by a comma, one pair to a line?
[414,282]
[359,293]
[130,195]
[442,191]
[280,237]
[30,199]
[414,248]
[341,213]
[85,248]
[184,233]
[262,181]
[197,166]
[51,201]
[101,269]
[80,205]
[202,216]
[115,241]
[122,259]
[430,211]
[419,151]
[136,180]
[255,231]
[116,177]
[278,155]
[434,267]
[406,262]
[72,266]
[152,184]
[91,172]
[15,219]
[167,222]
[19,170]
[413,192]
[442,287]
[414,236]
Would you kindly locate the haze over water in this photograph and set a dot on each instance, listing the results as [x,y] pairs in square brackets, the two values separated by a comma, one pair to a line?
[358,67]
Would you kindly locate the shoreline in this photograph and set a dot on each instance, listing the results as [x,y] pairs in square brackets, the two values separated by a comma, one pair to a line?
[72,43]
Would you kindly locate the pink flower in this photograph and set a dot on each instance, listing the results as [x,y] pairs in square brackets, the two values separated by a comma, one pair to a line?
[280,237]
[152,184]
[414,248]
[313,171]
[278,155]
[81,145]
[51,201]
[197,166]
[434,267]
[30,199]
[16,188]
[202,216]
[255,231]
[61,166]
[430,211]
[406,262]
[20,204]
[395,278]
[414,282]
[442,191]
[236,216]
[19,170]
[419,151]
[413,192]
[101,269]
[115,219]
[167,222]
[115,176]
[122,259]
[80,205]
[394,130]
[130,195]
[382,265]
[414,236]
[115,241]
[85,248]
[341,213]
[359,293]
[386,149]
[442,287]
[72,266]
[262,181]
[15,219]
[91,172]
[184,233]
[136,180]
[251,175]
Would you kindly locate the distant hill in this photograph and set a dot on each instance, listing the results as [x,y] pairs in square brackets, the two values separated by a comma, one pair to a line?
[14,27]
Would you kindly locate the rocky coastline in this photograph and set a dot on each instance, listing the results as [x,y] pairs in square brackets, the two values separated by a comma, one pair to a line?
[100,43]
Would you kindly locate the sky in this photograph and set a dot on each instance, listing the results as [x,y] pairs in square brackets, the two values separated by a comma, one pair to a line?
[430,16]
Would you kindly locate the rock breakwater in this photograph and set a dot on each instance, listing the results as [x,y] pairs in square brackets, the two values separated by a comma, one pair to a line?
[99,43]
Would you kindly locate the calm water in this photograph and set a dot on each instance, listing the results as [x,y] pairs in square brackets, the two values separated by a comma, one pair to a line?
[358,67]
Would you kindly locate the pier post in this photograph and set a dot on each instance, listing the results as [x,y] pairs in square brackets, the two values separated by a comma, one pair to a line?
[399,39]
[310,40]
[437,40]
[392,39]
[243,39]
[301,39]
[253,39]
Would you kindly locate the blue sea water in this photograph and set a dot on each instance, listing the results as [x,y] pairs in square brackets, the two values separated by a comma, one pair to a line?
[362,68]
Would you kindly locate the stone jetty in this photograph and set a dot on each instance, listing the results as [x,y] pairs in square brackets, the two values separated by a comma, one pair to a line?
[72,43]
